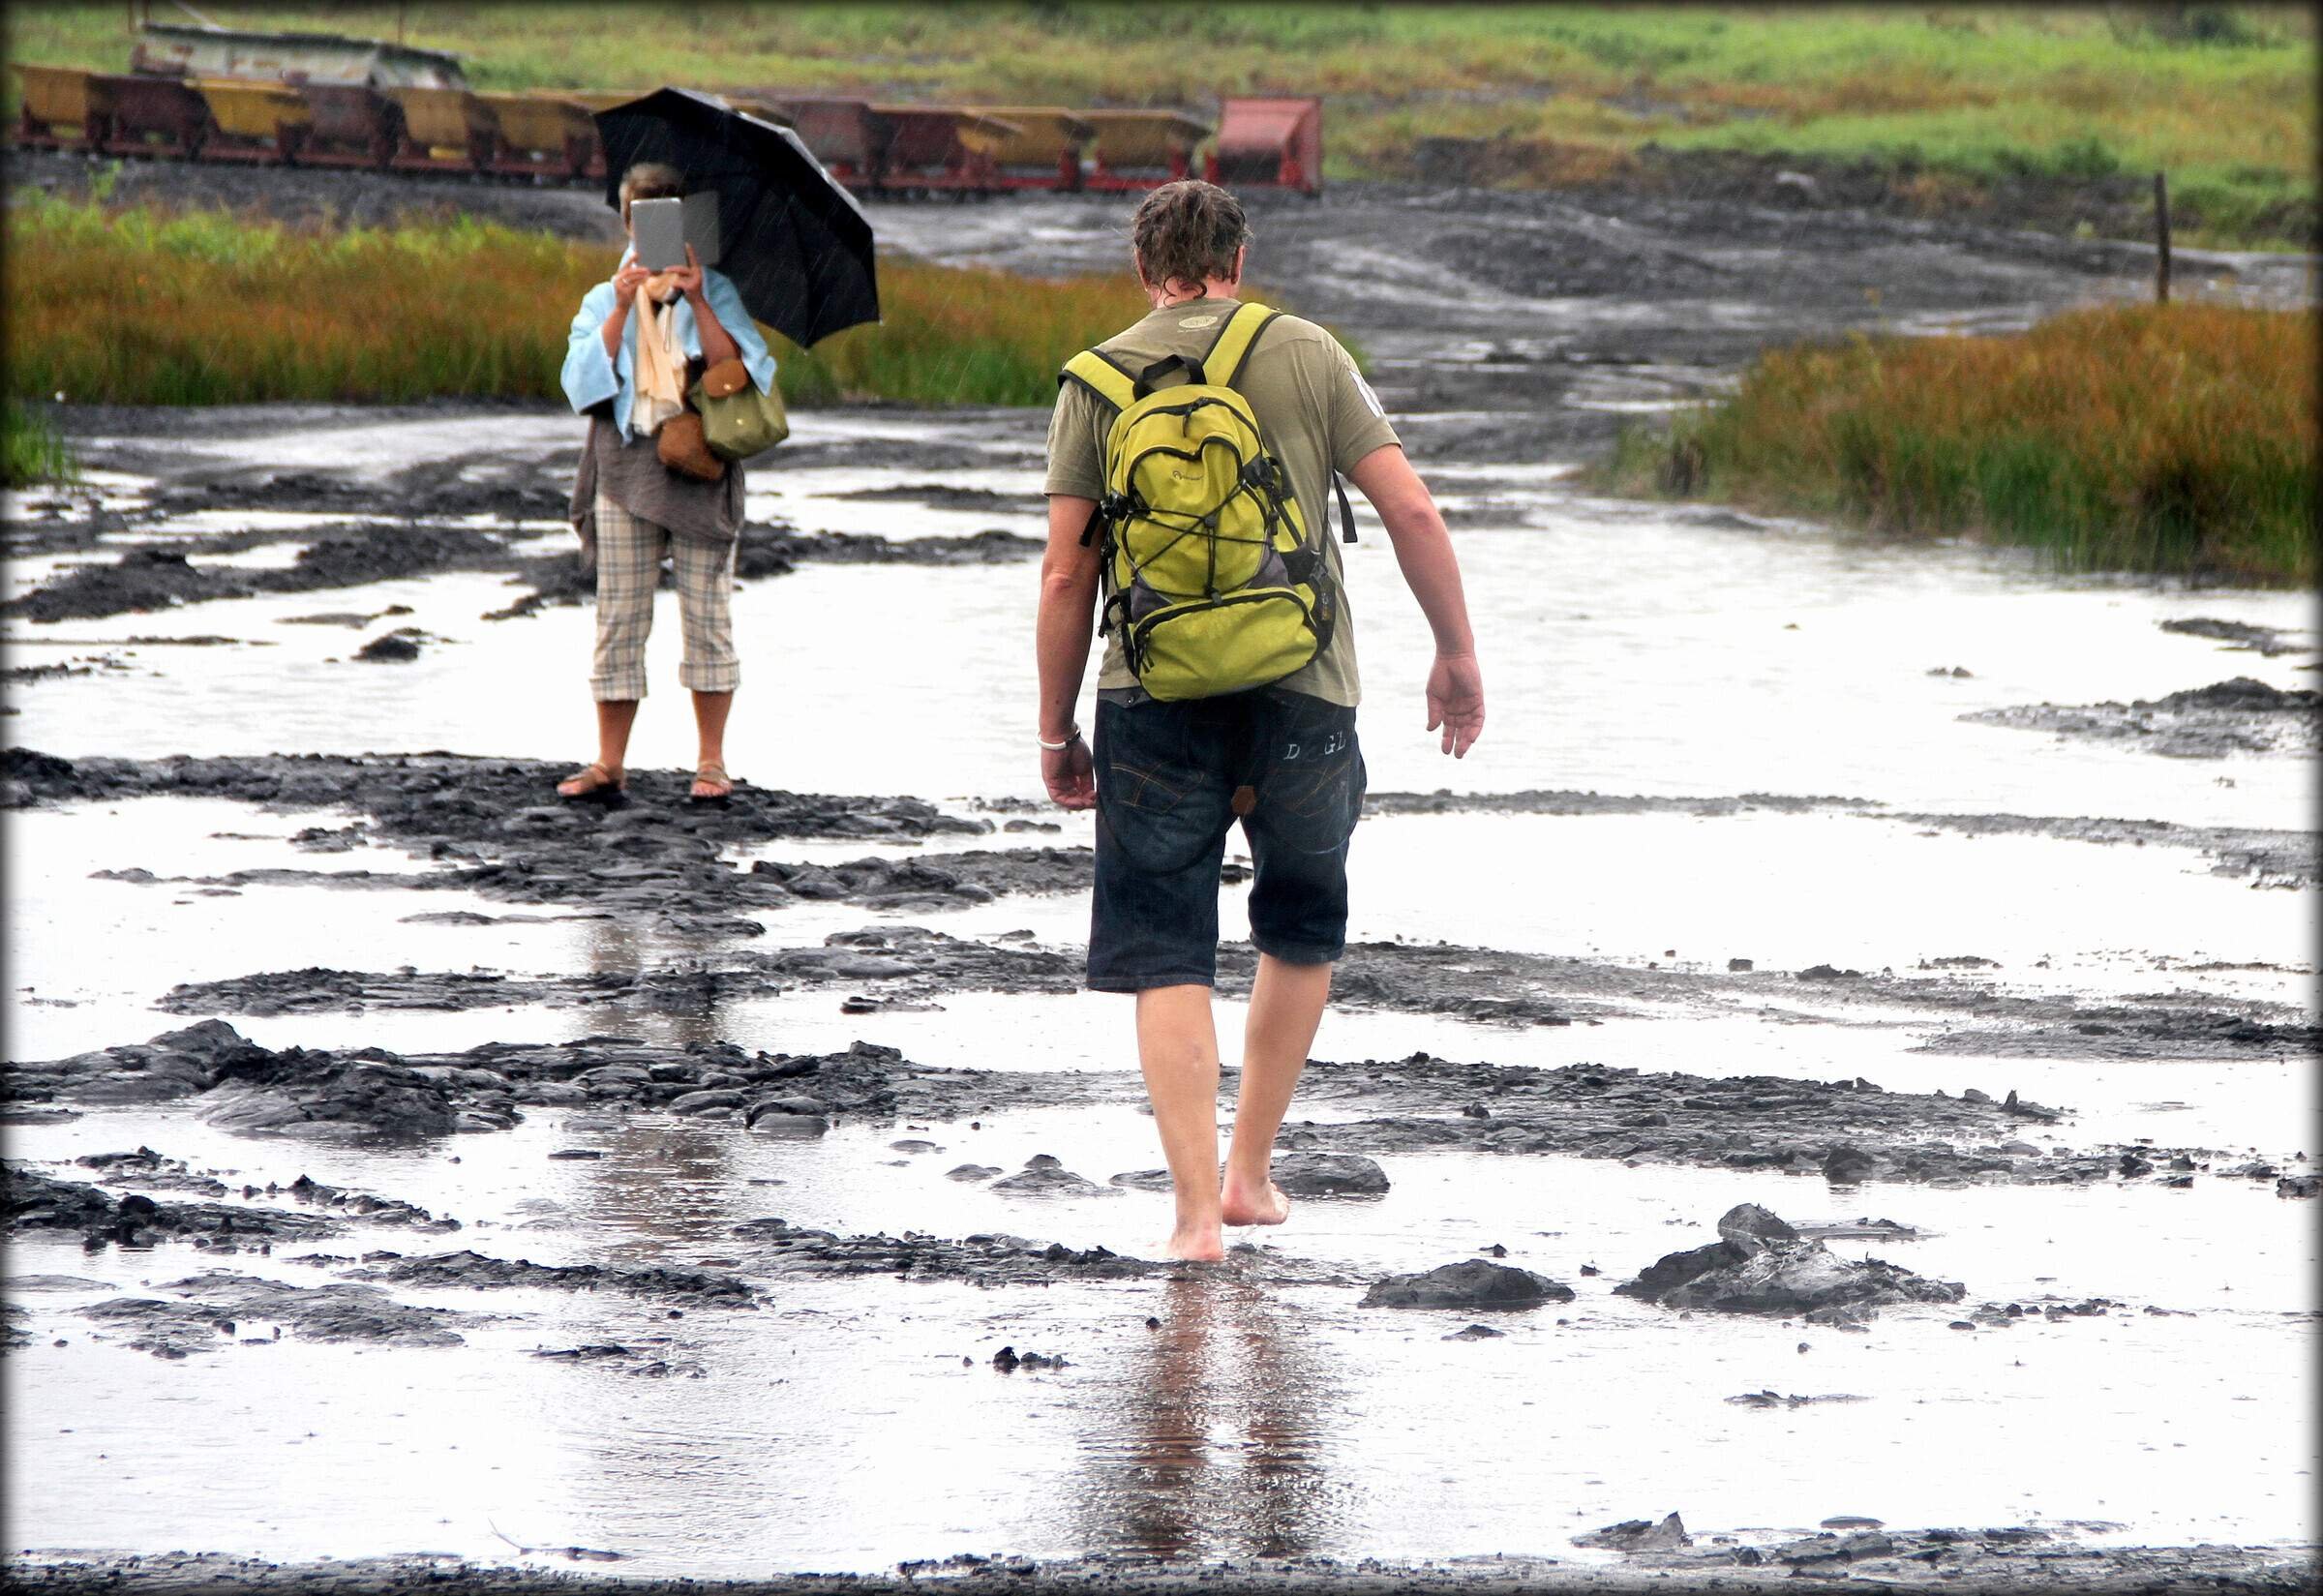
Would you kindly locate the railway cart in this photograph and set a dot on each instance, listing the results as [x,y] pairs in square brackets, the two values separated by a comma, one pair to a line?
[766,110]
[1142,149]
[1268,143]
[847,136]
[349,124]
[943,150]
[57,98]
[1045,150]
[154,116]
[253,121]
[544,136]
[444,129]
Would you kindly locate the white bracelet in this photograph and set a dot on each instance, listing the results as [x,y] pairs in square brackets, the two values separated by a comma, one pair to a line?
[1071,738]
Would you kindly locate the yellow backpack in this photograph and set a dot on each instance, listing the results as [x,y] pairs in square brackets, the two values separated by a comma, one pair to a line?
[1212,584]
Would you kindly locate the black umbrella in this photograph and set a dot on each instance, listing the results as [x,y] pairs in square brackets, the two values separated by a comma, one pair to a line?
[792,240]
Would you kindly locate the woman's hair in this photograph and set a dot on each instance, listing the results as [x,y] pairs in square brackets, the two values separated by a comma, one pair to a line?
[650,180]
[1188,232]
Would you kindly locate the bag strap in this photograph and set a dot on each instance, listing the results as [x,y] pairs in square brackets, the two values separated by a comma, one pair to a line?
[1196,373]
[1097,371]
[1231,350]
[1347,512]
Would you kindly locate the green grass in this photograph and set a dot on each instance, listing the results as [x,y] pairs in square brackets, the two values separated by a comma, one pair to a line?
[30,449]
[2175,439]
[149,306]
[2220,97]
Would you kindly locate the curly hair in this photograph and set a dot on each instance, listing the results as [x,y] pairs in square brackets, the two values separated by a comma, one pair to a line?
[650,180]
[1188,232]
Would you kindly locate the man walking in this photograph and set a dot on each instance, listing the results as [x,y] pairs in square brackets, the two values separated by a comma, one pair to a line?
[1177,760]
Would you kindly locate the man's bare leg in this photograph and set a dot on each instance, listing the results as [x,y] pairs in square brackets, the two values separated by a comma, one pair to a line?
[615,717]
[1177,1047]
[1286,1004]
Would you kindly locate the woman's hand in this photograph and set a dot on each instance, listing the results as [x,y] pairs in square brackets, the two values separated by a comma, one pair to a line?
[625,284]
[689,277]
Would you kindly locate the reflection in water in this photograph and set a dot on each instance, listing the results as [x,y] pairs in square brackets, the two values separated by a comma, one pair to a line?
[686,1015]
[661,1184]
[1221,1440]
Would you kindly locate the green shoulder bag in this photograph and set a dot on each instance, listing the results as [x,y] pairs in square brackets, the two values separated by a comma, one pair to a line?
[736,419]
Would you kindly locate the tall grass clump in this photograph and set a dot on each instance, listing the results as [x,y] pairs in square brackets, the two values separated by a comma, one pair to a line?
[147,306]
[31,450]
[2173,439]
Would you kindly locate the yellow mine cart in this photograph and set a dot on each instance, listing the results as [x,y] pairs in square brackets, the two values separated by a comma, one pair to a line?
[602,100]
[254,121]
[57,98]
[1143,149]
[444,129]
[1045,150]
[541,133]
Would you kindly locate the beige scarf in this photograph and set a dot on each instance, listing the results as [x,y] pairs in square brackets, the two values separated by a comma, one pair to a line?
[661,362]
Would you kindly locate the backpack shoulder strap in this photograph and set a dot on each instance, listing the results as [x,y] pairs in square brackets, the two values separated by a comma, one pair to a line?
[1097,371]
[1232,349]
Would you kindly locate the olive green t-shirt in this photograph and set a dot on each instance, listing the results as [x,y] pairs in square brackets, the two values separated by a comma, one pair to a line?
[1315,411]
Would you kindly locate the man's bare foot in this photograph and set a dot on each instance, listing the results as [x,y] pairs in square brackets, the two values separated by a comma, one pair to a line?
[1239,1205]
[1200,1244]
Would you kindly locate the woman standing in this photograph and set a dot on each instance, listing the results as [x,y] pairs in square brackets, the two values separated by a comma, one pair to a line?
[638,343]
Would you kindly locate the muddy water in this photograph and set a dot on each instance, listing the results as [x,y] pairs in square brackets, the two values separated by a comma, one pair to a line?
[1643,653]
[1253,1421]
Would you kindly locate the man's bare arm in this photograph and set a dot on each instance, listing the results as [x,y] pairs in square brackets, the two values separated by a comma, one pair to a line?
[1430,569]
[1068,586]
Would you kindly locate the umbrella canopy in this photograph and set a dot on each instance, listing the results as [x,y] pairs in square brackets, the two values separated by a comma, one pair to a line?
[794,241]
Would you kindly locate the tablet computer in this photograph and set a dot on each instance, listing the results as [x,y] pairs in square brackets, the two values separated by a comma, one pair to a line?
[658,229]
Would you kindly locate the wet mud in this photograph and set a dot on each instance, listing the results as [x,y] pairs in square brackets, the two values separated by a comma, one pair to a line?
[211,1311]
[1760,1264]
[2239,635]
[2240,716]
[496,827]
[33,1201]
[1847,1132]
[162,575]
[371,1092]
[1624,302]
[2004,1558]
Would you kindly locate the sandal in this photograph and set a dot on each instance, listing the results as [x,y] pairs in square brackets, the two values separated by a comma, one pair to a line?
[712,776]
[593,781]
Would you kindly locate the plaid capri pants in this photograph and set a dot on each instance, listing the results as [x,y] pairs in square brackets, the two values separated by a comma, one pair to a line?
[629,555]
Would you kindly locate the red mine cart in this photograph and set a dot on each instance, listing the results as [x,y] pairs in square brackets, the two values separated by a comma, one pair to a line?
[444,129]
[57,98]
[941,147]
[253,121]
[847,136]
[1142,149]
[349,124]
[154,116]
[1269,143]
[1045,150]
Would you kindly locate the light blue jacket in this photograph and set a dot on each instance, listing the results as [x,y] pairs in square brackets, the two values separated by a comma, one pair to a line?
[592,375]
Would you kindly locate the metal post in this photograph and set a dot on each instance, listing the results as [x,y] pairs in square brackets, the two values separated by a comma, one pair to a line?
[2161,232]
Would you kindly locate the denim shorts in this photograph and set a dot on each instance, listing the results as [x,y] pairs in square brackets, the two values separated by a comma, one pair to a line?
[1171,780]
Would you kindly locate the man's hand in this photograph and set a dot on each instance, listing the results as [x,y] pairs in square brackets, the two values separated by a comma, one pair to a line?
[1071,777]
[1455,702]
[625,284]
